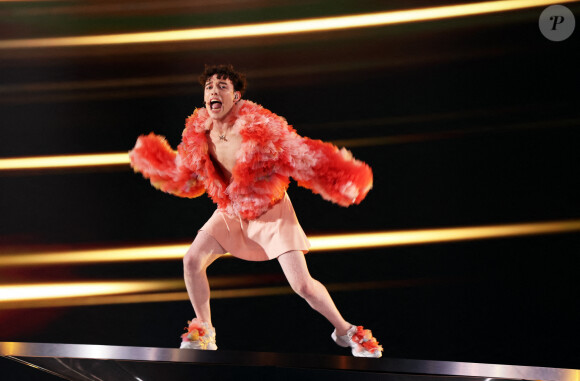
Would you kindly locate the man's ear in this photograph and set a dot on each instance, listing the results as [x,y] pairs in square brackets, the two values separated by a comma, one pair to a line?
[237,95]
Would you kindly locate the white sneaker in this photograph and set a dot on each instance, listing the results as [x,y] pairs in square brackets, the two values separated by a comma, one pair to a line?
[361,341]
[199,335]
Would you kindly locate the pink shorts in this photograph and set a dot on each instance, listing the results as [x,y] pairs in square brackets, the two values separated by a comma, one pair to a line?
[272,234]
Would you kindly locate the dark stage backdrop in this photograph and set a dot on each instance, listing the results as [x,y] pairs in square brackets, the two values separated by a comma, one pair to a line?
[465,122]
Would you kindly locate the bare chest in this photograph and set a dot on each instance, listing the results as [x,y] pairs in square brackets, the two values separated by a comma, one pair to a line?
[223,150]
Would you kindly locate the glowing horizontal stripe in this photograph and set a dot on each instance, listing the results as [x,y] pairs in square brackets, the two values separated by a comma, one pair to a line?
[122,158]
[65,161]
[23,292]
[319,243]
[284,27]
[98,84]
[149,253]
[383,239]
[96,298]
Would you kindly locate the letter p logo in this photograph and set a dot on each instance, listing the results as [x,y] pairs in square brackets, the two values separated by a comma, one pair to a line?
[557,20]
[557,23]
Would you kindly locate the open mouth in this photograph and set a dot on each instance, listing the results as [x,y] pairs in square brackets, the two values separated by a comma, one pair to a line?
[215,105]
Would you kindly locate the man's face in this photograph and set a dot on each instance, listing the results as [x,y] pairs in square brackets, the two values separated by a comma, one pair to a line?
[219,97]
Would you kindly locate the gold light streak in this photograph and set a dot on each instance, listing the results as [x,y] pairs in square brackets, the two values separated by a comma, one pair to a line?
[319,243]
[111,255]
[64,161]
[284,27]
[11,89]
[122,158]
[29,292]
[414,237]
[109,293]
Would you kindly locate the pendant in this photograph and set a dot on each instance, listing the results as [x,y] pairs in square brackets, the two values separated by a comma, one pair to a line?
[223,137]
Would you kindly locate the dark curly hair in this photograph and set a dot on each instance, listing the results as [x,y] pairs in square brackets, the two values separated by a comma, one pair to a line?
[224,71]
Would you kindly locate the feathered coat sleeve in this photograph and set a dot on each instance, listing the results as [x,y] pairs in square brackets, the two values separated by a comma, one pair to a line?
[321,167]
[329,171]
[158,162]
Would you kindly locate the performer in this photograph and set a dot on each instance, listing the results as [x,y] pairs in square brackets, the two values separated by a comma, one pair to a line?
[242,155]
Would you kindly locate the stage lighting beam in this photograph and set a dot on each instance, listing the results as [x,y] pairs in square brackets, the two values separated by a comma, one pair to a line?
[333,242]
[29,292]
[64,161]
[323,24]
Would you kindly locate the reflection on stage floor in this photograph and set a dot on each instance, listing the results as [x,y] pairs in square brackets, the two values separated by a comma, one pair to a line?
[79,362]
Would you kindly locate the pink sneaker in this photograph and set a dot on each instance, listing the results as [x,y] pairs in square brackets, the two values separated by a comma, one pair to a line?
[199,335]
[361,341]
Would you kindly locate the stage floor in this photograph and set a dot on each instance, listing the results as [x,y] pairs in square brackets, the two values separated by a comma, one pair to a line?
[80,362]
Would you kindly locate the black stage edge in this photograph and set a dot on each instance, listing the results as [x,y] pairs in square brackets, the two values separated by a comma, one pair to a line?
[80,362]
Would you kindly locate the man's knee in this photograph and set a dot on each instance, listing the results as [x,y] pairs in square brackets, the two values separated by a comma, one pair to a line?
[195,259]
[192,261]
[201,252]
[306,288]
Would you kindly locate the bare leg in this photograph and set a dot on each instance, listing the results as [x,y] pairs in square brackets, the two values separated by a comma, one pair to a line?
[202,252]
[294,266]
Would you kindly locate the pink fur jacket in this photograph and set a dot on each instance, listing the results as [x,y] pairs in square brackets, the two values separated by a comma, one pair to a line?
[270,153]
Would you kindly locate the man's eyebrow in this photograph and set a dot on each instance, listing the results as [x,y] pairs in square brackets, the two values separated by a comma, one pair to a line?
[209,82]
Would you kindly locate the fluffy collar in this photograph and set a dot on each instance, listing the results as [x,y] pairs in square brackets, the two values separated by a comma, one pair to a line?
[254,184]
